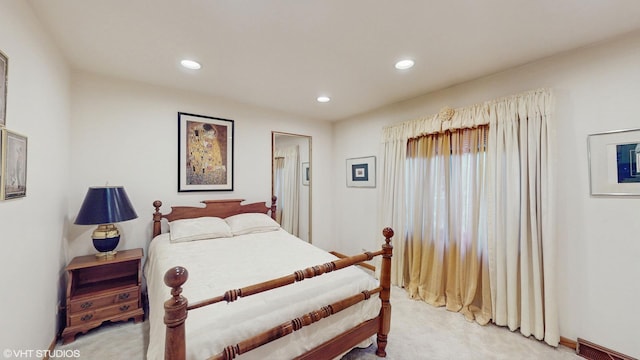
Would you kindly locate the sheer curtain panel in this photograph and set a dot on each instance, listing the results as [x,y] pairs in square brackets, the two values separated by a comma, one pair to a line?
[447,247]
[287,188]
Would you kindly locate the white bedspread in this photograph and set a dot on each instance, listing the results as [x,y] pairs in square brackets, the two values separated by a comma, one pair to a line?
[218,265]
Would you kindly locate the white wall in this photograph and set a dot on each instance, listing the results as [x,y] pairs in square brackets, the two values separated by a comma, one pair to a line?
[125,133]
[32,228]
[598,245]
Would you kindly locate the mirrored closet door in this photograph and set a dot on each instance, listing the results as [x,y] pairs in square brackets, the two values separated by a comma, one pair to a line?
[291,182]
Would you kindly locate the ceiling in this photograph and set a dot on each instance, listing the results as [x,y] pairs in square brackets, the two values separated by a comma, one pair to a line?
[282,54]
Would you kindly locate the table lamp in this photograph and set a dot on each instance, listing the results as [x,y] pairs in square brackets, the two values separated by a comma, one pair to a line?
[104,206]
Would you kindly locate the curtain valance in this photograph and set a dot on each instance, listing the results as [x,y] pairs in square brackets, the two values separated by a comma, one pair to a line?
[535,102]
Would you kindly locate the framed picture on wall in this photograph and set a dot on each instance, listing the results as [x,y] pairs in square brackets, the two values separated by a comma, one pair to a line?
[2,164]
[306,174]
[361,172]
[4,73]
[205,153]
[614,162]
[14,167]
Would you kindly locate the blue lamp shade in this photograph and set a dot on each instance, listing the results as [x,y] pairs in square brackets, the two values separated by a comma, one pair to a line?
[104,206]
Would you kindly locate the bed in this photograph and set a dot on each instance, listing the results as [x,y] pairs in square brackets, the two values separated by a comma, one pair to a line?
[289,299]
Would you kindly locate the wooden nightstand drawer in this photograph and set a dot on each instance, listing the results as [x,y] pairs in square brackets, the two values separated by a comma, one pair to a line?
[103,313]
[86,303]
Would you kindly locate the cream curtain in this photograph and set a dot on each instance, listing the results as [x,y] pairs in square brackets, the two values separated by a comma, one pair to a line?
[392,188]
[519,220]
[287,188]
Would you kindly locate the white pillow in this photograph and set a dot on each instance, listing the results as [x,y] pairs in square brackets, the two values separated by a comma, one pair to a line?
[251,223]
[198,229]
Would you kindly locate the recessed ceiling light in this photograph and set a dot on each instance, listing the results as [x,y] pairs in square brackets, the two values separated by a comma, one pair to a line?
[404,64]
[323,99]
[190,64]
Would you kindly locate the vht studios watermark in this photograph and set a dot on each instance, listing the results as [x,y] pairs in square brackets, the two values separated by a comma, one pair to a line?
[39,354]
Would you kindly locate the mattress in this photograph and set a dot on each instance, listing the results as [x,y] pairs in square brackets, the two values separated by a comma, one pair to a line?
[221,264]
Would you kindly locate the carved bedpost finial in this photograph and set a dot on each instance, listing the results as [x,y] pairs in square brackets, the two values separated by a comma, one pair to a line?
[388,234]
[175,278]
[156,215]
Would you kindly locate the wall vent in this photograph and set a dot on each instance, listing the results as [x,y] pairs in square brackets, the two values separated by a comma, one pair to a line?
[589,350]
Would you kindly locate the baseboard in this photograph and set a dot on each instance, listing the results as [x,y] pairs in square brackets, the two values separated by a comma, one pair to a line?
[52,346]
[571,344]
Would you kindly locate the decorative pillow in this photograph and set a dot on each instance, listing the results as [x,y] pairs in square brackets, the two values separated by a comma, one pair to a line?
[198,229]
[251,223]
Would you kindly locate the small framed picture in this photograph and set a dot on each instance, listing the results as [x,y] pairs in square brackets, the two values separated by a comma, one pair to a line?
[205,153]
[14,166]
[306,174]
[4,73]
[361,172]
[614,162]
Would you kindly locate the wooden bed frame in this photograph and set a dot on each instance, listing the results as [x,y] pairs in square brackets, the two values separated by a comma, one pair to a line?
[177,306]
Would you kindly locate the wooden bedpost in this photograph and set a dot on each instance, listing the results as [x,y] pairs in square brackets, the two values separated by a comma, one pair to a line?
[273,207]
[157,217]
[175,313]
[385,284]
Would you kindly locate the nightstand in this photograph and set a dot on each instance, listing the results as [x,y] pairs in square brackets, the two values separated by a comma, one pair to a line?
[100,290]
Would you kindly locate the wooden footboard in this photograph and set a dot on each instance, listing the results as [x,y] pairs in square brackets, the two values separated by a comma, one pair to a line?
[177,306]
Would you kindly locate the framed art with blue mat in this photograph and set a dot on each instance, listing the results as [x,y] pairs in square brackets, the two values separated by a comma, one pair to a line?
[614,163]
[361,172]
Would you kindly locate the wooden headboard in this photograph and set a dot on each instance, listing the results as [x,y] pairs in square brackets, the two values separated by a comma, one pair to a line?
[215,208]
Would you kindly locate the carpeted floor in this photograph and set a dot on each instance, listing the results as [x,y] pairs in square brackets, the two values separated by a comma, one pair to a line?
[418,331]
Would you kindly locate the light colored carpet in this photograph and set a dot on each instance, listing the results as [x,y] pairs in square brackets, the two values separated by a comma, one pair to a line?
[418,331]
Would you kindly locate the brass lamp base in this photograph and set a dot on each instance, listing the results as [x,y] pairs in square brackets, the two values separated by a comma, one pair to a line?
[105,239]
[105,231]
[104,255]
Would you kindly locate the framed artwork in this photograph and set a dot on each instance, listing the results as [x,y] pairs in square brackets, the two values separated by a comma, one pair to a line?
[2,164]
[14,165]
[205,153]
[614,159]
[361,172]
[4,73]
[306,174]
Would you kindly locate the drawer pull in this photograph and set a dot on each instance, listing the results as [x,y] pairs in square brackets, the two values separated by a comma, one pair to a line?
[86,317]
[86,305]
[123,296]
[124,307]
